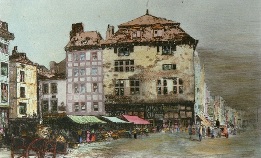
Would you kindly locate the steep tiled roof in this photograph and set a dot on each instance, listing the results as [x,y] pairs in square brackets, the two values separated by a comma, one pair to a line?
[20,58]
[88,38]
[147,19]
[170,31]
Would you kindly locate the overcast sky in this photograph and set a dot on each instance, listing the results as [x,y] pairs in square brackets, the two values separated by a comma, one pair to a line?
[229,33]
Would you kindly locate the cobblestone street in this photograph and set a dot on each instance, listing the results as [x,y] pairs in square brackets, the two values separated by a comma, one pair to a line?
[168,145]
[173,145]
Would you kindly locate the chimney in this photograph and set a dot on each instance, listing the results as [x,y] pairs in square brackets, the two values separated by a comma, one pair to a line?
[76,28]
[109,32]
[147,12]
[14,50]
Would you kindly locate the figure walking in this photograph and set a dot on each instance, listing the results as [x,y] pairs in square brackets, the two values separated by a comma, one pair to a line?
[200,133]
[190,131]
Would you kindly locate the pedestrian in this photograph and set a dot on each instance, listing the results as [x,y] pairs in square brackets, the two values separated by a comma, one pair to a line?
[135,134]
[225,131]
[212,132]
[217,123]
[203,131]
[88,136]
[79,132]
[200,133]
[190,131]
[209,132]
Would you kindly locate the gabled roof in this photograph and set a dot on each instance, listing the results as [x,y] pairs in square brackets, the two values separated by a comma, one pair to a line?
[85,39]
[20,58]
[149,25]
[147,19]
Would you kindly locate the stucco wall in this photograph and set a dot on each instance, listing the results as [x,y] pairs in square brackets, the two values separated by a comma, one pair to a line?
[30,84]
[148,68]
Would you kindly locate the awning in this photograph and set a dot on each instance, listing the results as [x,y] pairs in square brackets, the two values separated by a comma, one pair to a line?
[136,120]
[204,121]
[115,119]
[85,119]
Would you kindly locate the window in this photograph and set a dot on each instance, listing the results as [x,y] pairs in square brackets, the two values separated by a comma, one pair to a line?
[22,108]
[165,88]
[22,92]
[82,56]
[76,88]
[95,87]
[21,76]
[76,57]
[159,86]
[158,33]
[95,106]
[54,105]
[82,88]
[125,51]
[3,48]
[45,106]
[177,86]
[4,69]
[45,88]
[94,71]
[162,87]
[83,106]
[169,67]
[4,92]
[168,50]
[119,87]
[135,87]
[82,72]
[136,34]
[75,71]
[53,88]
[94,56]
[76,107]
[123,65]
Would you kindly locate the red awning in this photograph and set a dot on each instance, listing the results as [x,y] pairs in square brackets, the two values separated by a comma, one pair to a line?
[136,120]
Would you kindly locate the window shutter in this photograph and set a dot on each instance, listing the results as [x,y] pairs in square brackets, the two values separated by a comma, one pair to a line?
[115,49]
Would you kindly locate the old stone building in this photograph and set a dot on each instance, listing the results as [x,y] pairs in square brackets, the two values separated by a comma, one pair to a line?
[5,37]
[84,77]
[52,94]
[149,70]
[23,86]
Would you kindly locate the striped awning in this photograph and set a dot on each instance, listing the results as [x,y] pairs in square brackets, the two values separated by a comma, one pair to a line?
[136,120]
[85,119]
[115,119]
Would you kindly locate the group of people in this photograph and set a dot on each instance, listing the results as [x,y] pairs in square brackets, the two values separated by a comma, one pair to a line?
[212,132]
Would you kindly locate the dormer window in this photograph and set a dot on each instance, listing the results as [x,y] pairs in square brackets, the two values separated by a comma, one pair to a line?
[168,50]
[136,34]
[158,33]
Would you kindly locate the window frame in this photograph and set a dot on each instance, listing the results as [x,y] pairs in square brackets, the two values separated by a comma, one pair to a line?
[119,87]
[167,67]
[45,91]
[22,92]
[95,106]
[22,75]
[24,105]
[4,69]
[54,89]
[134,86]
